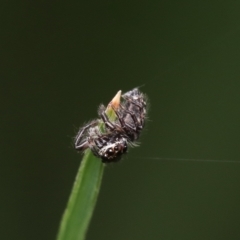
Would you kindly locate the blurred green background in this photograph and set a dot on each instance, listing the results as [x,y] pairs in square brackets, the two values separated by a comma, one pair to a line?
[60,60]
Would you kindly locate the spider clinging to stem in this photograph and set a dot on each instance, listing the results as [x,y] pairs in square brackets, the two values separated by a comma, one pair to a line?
[109,139]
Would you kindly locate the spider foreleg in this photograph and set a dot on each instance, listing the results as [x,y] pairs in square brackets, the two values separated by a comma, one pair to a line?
[80,142]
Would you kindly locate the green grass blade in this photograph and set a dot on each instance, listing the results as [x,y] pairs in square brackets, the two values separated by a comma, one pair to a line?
[82,200]
[85,190]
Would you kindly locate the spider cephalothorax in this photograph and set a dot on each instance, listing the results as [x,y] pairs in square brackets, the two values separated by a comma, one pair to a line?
[108,139]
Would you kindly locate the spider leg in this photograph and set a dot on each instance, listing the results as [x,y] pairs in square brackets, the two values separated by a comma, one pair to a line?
[102,114]
[134,118]
[83,146]
[142,109]
[121,120]
[107,122]
[79,145]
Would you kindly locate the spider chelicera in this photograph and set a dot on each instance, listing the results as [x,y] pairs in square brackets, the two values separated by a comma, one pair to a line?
[109,140]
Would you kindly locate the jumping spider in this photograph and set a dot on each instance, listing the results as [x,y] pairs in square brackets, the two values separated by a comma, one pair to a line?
[109,140]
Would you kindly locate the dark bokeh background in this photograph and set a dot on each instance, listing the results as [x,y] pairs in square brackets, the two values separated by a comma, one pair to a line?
[60,60]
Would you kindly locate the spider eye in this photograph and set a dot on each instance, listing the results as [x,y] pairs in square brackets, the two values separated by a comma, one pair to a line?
[116,148]
[125,148]
[110,152]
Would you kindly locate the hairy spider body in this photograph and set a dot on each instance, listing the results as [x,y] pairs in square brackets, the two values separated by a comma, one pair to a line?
[111,140]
